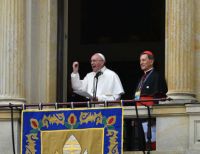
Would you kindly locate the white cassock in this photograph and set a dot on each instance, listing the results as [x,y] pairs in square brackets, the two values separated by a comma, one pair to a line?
[109,86]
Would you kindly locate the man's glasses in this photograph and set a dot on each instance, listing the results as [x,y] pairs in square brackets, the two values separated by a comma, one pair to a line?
[95,61]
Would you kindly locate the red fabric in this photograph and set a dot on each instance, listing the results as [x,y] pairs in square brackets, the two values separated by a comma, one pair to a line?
[153,145]
[148,103]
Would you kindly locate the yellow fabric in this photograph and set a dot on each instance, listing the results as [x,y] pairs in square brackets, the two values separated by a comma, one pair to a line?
[52,142]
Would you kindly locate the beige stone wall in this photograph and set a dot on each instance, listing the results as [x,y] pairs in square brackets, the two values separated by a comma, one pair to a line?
[197,47]
[177,127]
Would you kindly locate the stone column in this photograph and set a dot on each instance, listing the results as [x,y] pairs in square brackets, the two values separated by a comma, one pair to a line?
[180,49]
[12,62]
[12,51]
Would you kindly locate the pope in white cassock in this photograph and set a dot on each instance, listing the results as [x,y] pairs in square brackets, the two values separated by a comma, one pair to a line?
[102,83]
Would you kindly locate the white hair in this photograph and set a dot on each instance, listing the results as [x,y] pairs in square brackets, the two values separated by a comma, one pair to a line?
[102,56]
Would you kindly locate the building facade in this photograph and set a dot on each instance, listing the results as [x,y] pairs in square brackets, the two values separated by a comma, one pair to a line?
[28,67]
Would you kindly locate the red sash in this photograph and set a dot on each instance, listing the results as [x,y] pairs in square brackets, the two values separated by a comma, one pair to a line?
[148,103]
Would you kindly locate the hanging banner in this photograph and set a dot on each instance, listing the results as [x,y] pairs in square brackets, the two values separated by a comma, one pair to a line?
[72,131]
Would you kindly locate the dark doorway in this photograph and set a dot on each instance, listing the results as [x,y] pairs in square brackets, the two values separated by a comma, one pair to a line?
[120,30]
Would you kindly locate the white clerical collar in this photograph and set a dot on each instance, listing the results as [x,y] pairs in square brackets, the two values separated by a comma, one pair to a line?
[148,70]
[103,69]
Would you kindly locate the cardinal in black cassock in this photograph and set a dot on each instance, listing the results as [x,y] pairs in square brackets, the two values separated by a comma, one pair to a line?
[151,85]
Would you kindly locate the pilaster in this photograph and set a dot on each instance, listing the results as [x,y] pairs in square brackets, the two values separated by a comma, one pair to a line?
[197,47]
[41,51]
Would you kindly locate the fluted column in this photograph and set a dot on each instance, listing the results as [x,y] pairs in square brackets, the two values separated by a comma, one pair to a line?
[180,49]
[12,51]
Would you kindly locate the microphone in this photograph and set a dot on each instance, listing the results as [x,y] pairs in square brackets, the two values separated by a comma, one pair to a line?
[98,74]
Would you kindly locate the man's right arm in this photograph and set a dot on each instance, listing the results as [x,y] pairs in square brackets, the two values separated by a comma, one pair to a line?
[75,77]
[76,82]
[75,67]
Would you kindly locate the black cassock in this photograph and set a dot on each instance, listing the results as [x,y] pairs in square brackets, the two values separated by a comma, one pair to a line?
[154,85]
[151,84]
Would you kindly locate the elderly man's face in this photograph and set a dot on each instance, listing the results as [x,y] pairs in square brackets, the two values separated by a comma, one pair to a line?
[96,62]
[145,62]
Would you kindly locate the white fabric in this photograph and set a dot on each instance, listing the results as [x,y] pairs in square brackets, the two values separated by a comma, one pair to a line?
[109,85]
[153,131]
